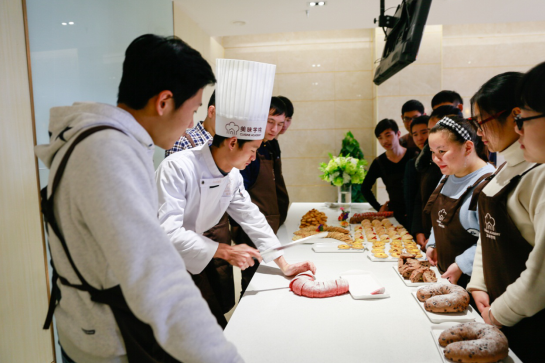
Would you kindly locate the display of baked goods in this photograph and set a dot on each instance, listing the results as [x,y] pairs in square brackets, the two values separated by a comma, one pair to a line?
[474,343]
[386,239]
[358,217]
[443,298]
[305,284]
[313,218]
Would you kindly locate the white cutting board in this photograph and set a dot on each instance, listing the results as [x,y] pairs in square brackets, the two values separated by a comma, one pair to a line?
[466,317]
[415,284]
[437,330]
[362,283]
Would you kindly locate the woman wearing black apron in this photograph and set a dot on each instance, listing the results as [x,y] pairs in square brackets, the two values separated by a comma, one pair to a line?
[455,148]
[508,281]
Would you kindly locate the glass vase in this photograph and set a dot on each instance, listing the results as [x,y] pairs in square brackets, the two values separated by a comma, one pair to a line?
[344,195]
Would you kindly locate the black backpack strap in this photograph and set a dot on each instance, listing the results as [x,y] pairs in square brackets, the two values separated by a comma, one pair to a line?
[47,205]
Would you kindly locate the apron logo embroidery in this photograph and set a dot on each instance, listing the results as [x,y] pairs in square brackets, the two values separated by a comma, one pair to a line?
[442,214]
[490,226]
[490,222]
[88,332]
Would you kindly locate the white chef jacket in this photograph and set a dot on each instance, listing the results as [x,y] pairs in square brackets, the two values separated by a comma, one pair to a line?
[194,195]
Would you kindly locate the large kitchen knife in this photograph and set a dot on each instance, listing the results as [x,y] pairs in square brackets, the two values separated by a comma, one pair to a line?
[299,241]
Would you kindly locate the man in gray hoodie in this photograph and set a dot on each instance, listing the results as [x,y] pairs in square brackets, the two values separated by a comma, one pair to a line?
[105,207]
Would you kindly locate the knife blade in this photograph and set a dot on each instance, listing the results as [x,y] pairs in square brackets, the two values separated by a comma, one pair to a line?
[299,241]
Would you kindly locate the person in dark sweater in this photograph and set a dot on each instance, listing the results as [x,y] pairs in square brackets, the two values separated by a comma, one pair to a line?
[410,111]
[390,167]
[411,184]
[430,175]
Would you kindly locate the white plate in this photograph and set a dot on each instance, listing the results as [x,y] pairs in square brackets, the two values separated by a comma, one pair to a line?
[437,330]
[413,284]
[332,248]
[466,317]
[362,283]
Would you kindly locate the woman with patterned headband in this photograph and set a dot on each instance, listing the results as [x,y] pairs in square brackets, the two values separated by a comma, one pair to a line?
[456,149]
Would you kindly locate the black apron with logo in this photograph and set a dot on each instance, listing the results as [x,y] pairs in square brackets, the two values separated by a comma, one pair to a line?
[140,343]
[451,238]
[216,281]
[505,252]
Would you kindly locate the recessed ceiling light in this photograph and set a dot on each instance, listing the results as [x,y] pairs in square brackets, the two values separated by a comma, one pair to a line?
[317,3]
[239,23]
[71,22]
[64,23]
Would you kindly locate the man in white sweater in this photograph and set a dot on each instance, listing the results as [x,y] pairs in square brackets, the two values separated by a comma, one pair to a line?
[106,210]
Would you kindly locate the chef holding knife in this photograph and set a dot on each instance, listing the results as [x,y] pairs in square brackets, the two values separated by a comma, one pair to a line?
[196,187]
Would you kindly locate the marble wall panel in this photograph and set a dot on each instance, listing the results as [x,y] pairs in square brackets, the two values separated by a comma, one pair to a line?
[310,37]
[306,86]
[318,115]
[354,85]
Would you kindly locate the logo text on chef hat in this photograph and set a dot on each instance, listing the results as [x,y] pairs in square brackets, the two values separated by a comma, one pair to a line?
[490,222]
[442,214]
[232,128]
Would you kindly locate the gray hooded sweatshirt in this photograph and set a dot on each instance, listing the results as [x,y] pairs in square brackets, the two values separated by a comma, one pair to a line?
[106,208]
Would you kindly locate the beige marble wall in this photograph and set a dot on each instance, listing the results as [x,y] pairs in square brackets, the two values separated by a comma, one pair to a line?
[209,47]
[328,77]
[472,54]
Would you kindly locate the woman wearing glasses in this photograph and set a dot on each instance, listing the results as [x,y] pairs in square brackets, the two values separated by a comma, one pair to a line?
[508,281]
[458,152]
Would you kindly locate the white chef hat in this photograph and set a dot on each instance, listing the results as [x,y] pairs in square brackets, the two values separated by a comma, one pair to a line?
[243,98]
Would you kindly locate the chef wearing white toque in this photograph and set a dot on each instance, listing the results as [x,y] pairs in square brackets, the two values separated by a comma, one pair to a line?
[197,186]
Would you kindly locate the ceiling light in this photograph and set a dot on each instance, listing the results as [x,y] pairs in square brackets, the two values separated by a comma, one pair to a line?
[64,23]
[317,3]
[71,22]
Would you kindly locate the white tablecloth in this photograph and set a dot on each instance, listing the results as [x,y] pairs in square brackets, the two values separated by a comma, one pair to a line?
[271,324]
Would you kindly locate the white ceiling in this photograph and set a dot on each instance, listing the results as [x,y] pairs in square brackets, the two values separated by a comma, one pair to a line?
[216,17]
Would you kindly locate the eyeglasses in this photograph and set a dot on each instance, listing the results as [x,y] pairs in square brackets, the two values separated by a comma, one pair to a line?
[520,121]
[409,119]
[482,122]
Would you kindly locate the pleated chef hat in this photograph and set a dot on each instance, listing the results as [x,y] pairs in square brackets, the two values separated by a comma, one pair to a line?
[243,98]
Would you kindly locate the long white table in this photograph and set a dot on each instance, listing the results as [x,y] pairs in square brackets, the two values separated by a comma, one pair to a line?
[271,324]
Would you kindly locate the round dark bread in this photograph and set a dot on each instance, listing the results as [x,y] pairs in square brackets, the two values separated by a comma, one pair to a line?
[474,343]
[443,298]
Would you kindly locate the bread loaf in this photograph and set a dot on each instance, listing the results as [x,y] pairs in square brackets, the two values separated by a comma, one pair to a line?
[442,298]
[474,343]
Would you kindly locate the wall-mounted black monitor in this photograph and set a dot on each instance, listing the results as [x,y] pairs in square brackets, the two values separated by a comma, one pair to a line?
[403,40]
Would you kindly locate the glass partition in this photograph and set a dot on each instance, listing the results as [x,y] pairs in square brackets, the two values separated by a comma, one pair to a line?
[77,50]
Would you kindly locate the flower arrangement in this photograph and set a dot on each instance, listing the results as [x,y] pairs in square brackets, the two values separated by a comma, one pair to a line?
[343,170]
